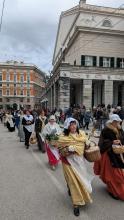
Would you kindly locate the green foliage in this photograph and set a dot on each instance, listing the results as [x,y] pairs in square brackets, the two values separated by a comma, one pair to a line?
[51,137]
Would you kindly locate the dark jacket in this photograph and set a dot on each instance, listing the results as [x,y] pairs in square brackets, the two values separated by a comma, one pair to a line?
[39,124]
[105,143]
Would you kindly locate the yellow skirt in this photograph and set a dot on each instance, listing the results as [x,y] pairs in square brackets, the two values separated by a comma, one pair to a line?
[79,194]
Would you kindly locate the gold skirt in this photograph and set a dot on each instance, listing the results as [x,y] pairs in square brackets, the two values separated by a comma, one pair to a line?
[80,196]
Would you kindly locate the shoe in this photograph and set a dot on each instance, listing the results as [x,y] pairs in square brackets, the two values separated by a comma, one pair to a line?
[27,146]
[114,197]
[53,167]
[76,211]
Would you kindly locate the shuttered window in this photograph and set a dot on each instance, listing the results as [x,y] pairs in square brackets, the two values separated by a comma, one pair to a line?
[88,60]
[107,62]
[120,62]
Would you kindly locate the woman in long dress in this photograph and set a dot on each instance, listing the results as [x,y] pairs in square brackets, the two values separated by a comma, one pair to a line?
[110,167]
[10,122]
[40,123]
[78,179]
[52,128]
[20,128]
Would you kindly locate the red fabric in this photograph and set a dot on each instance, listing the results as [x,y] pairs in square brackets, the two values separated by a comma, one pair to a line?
[52,159]
[113,177]
[64,160]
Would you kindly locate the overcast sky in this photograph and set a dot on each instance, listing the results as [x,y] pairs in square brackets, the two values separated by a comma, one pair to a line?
[29,29]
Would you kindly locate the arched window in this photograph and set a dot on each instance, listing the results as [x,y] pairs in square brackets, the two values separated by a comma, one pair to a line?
[107,23]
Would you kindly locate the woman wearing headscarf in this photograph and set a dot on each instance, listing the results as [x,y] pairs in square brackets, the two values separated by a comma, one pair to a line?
[78,180]
[110,167]
[10,122]
[52,128]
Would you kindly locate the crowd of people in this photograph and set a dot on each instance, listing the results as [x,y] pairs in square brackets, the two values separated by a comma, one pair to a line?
[70,127]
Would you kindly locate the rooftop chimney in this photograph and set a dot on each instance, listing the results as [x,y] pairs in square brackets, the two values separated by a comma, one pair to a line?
[82,2]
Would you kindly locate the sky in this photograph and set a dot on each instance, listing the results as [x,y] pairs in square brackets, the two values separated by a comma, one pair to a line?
[29,29]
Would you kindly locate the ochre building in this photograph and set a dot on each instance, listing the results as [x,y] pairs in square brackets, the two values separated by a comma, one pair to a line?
[21,85]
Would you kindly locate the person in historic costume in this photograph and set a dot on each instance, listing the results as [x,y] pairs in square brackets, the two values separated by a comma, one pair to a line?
[10,122]
[110,167]
[71,145]
[28,126]
[52,128]
[40,123]
[20,128]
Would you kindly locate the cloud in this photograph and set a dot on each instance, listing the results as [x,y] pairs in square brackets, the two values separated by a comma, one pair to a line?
[29,29]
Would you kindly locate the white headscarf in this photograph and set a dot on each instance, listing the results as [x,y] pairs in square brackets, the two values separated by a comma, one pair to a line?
[68,121]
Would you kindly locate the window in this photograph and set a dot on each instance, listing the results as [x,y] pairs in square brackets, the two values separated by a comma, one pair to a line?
[7,92]
[28,100]
[7,77]
[22,79]
[120,62]
[14,77]
[14,85]
[106,62]
[28,78]
[21,100]
[0,84]
[0,92]
[0,77]
[21,93]
[7,100]
[14,91]
[28,92]
[88,60]
[7,84]
[1,100]
[107,23]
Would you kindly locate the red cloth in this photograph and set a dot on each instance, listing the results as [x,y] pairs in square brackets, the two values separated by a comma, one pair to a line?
[52,159]
[112,177]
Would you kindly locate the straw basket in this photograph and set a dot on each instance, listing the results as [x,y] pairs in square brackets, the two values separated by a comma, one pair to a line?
[33,140]
[118,149]
[92,154]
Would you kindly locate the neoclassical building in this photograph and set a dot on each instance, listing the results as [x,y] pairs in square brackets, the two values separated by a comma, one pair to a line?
[88,60]
[21,85]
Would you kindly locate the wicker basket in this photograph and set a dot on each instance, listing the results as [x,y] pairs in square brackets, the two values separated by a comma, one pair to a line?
[118,149]
[92,154]
[33,140]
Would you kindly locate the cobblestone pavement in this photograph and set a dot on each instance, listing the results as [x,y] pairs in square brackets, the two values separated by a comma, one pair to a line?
[29,190]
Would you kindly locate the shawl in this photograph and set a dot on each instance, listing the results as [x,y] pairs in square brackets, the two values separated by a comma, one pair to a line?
[77,140]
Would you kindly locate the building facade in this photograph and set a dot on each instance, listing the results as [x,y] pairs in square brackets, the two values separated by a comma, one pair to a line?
[21,85]
[88,60]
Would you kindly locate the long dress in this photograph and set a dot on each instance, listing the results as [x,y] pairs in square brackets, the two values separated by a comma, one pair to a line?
[20,130]
[52,152]
[74,167]
[110,167]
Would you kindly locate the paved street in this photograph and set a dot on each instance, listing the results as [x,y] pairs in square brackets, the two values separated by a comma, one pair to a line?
[29,190]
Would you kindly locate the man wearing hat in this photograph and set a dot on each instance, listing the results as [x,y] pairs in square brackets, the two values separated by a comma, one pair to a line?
[110,168]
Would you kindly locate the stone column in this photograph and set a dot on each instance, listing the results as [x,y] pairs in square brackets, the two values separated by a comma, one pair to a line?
[123,94]
[115,94]
[108,90]
[87,93]
[54,91]
[64,93]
